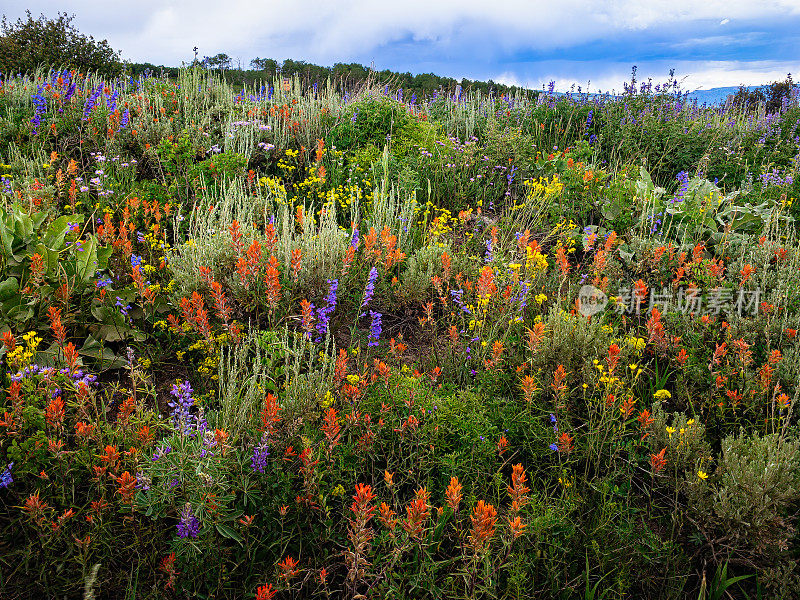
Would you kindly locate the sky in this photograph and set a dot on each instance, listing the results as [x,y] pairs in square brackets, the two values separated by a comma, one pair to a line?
[589,43]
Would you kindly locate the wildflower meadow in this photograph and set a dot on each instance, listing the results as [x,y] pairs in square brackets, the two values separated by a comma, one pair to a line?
[283,341]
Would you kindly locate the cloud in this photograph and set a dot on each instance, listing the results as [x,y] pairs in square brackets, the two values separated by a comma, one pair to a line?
[691,76]
[457,37]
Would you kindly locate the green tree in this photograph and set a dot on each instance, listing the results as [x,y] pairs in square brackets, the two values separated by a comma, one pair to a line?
[29,43]
[219,61]
[270,65]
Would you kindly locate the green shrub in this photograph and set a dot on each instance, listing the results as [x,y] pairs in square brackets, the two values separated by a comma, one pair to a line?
[747,509]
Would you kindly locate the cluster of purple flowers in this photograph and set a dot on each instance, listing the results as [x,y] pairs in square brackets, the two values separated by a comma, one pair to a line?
[91,101]
[260,454]
[39,108]
[522,295]
[78,377]
[111,101]
[374,328]
[324,313]
[126,116]
[369,290]
[160,451]
[773,179]
[189,524]
[5,477]
[683,179]
[458,299]
[186,422]
[142,481]
[123,308]
[510,178]
[554,447]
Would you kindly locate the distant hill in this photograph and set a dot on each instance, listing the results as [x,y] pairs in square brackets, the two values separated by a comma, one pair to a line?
[717,95]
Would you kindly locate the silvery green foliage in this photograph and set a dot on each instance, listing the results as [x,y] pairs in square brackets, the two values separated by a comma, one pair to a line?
[745,509]
[572,341]
[423,265]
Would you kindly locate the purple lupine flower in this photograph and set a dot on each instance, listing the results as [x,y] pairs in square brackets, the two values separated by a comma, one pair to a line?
[189,524]
[370,288]
[125,118]
[181,406]
[5,477]
[160,451]
[354,239]
[374,328]
[260,454]
[142,481]
[554,447]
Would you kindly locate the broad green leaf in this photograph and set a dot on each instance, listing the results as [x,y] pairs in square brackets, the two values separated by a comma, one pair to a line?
[8,288]
[58,229]
[228,532]
[86,259]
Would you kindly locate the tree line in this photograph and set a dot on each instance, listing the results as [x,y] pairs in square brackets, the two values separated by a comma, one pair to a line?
[345,76]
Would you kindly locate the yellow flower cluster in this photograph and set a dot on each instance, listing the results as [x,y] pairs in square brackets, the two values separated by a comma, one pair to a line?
[535,260]
[637,344]
[274,188]
[543,188]
[22,356]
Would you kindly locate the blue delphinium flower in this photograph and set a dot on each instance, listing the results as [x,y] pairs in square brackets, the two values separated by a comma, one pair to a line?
[91,101]
[324,313]
[39,108]
[374,328]
[125,118]
[683,179]
[123,308]
[370,288]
